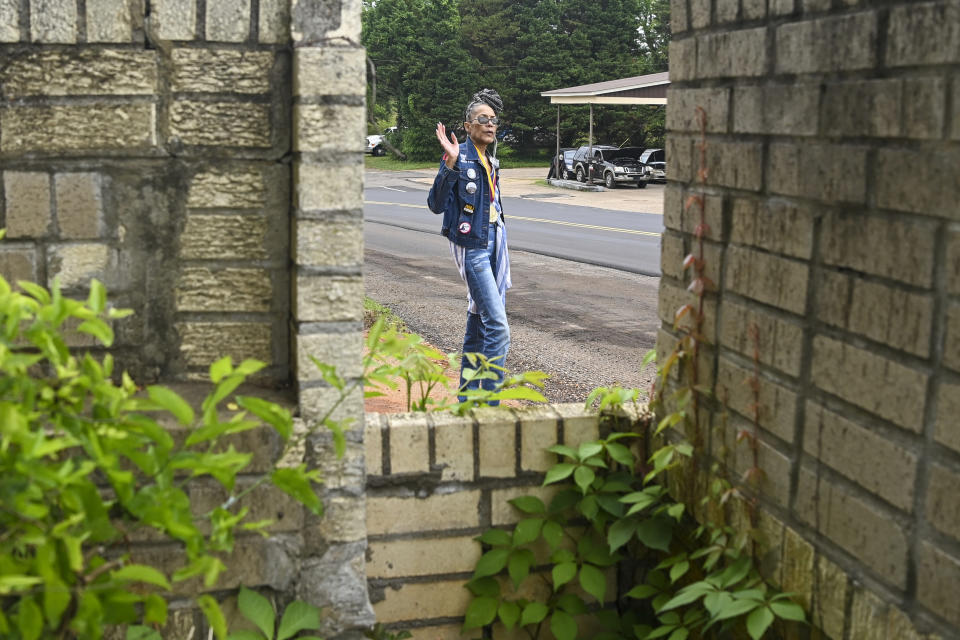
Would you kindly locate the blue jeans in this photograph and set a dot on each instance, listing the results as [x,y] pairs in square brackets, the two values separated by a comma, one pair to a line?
[487,331]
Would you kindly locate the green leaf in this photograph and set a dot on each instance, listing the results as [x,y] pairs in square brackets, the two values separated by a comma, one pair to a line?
[563,450]
[679,634]
[559,472]
[642,592]
[509,614]
[593,581]
[12,583]
[173,403]
[154,610]
[758,622]
[621,454]
[140,632]
[563,573]
[480,613]
[142,573]
[518,566]
[533,613]
[678,570]
[789,611]
[271,413]
[588,449]
[214,616]
[529,504]
[246,634]
[736,571]
[486,586]
[563,626]
[527,531]
[257,610]
[295,483]
[491,563]
[553,533]
[29,619]
[497,537]
[297,617]
[584,477]
[736,608]
[221,368]
[56,599]
[656,533]
[687,595]
[98,329]
[620,533]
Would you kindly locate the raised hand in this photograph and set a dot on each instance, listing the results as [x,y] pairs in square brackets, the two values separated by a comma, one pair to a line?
[450,145]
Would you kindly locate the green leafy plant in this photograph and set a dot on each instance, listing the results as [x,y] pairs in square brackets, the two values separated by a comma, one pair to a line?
[297,616]
[380,632]
[86,464]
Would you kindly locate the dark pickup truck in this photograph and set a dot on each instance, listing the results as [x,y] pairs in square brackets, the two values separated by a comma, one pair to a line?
[611,165]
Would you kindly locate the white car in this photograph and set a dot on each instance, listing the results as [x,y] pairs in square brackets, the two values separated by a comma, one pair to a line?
[375,146]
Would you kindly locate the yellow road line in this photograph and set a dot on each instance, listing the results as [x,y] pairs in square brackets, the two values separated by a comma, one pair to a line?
[544,220]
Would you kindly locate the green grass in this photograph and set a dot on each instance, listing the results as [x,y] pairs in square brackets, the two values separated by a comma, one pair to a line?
[373,310]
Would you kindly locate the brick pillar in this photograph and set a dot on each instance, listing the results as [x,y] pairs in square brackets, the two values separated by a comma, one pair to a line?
[329,88]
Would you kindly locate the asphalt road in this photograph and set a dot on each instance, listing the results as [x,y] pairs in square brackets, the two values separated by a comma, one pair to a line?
[587,325]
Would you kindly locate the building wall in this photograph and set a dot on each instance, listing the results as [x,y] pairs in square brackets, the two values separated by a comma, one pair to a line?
[833,176]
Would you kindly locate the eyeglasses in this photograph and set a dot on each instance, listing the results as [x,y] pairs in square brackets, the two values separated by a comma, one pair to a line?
[484,120]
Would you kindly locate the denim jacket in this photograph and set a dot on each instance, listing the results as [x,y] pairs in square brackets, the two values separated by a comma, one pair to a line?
[466,216]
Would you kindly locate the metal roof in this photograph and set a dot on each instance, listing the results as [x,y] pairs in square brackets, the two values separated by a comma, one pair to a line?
[646,89]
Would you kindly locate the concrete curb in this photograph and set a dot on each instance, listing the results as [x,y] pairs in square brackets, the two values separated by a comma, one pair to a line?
[575,186]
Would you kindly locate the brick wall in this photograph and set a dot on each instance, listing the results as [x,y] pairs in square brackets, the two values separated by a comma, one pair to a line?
[833,155]
[436,481]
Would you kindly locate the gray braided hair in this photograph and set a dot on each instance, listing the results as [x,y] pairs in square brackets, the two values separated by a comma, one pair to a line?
[488,97]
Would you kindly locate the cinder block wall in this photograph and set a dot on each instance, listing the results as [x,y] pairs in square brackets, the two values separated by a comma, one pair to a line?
[833,161]
[436,481]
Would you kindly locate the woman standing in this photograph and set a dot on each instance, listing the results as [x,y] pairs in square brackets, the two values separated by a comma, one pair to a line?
[467,192]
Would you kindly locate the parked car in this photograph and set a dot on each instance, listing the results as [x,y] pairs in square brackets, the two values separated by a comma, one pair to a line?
[565,158]
[610,165]
[655,160]
[375,145]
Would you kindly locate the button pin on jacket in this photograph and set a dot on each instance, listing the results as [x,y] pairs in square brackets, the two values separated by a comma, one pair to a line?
[468,208]
[471,188]
[472,174]
[464,227]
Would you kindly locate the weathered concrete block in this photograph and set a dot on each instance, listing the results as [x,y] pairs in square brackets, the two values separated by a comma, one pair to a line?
[942,507]
[53,21]
[317,402]
[862,108]
[9,21]
[862,454]
[538,430]
[453,440]
[923,34]
[868,616]
[423,601]
[671,255]
[27,196]
[221,70]
[929,187]
[224,237]
[948,408]
[938,574]
[342,350]
[18,263]
[109,21]
[328,299]
[871,244]
[778,343]
[727,10]
[888,315]
[732,54]
[220,124]
[700,13]
[502,512]
[953,261]
[924,107]
[779,109]
[679,19]
[497,449]
[409,443]
[840,43]
[334,242]
[951,350]
[323,22]
[831,173]
[754,9]
[876,384]
[680,156]
[228,20]
[779,226]
[174,19]
[672,298]
[344,520]
[771,279]
[736,164]
[203,343]
[79,205]
[323,71]
[76,264]
[870,534]
[438,512]
[85,72]
[77,128]
[782,7]
[423,557]
[373,425]
[683,59]
[326,186]
[579,425]
[240,188]
[829,608]
[775,485]
[777,404]
[274,21]
[682,109]
[206,289]
[265,502]
[813,6]
[328,127]
[336,582]
[955,134]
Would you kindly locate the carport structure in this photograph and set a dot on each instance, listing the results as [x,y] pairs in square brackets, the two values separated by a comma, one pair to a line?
[647,89]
